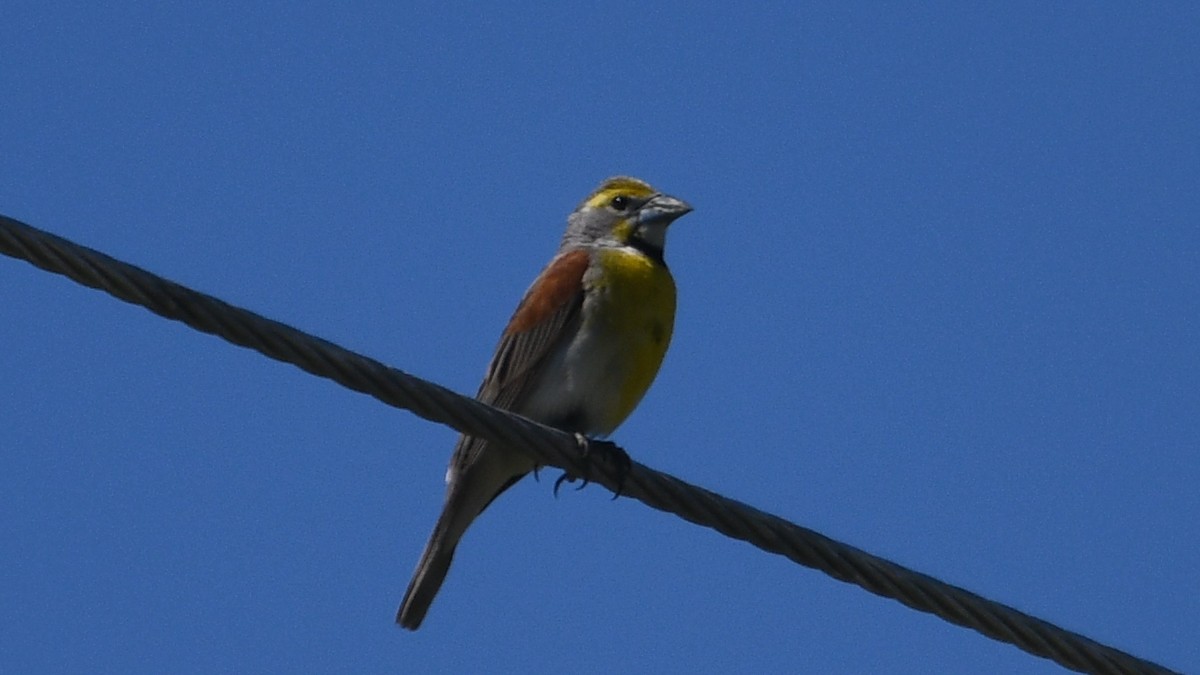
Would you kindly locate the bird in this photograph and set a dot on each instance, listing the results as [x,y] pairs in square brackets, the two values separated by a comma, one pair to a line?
[580,351]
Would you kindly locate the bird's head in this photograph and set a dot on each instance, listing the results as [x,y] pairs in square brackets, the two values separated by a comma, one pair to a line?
[625,211]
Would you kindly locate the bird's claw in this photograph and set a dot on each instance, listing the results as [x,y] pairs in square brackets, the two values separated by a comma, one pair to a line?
[565,478]
[610,451]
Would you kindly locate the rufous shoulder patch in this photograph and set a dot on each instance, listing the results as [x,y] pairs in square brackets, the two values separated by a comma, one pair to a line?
[555,287]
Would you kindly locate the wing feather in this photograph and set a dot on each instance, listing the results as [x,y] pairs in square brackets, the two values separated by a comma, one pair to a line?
[547,314]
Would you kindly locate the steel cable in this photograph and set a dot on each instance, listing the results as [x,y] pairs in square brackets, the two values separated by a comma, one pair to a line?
[556,448]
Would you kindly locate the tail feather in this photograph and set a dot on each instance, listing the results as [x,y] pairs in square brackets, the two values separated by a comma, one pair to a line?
[427,580]
[473,484]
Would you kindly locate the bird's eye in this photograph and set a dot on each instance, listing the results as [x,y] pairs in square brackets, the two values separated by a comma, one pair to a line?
[620,202]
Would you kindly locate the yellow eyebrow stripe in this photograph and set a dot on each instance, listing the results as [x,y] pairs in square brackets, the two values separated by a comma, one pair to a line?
[620,185]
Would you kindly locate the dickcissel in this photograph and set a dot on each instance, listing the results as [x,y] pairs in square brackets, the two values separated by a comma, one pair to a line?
[578,354]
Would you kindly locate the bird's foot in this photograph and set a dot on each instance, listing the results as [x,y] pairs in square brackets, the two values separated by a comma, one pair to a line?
[607,451]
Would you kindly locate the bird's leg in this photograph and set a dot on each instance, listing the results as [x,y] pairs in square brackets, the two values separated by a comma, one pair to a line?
[617,456]
[609,451]
[567,477]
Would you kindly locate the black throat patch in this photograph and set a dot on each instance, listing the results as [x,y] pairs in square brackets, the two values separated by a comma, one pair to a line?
[651,251]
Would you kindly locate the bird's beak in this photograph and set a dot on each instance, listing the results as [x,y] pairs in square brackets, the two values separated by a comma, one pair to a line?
[662,210]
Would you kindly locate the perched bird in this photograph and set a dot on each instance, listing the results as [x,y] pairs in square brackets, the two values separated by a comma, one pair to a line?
[578,354]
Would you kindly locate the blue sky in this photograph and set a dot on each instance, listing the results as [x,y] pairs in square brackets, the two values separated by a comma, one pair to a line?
[938,299]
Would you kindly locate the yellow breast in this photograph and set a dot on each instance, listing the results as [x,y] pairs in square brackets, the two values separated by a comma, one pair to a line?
[631,304]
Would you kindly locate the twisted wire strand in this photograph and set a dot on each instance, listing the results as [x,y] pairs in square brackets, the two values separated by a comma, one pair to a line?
[556,448]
